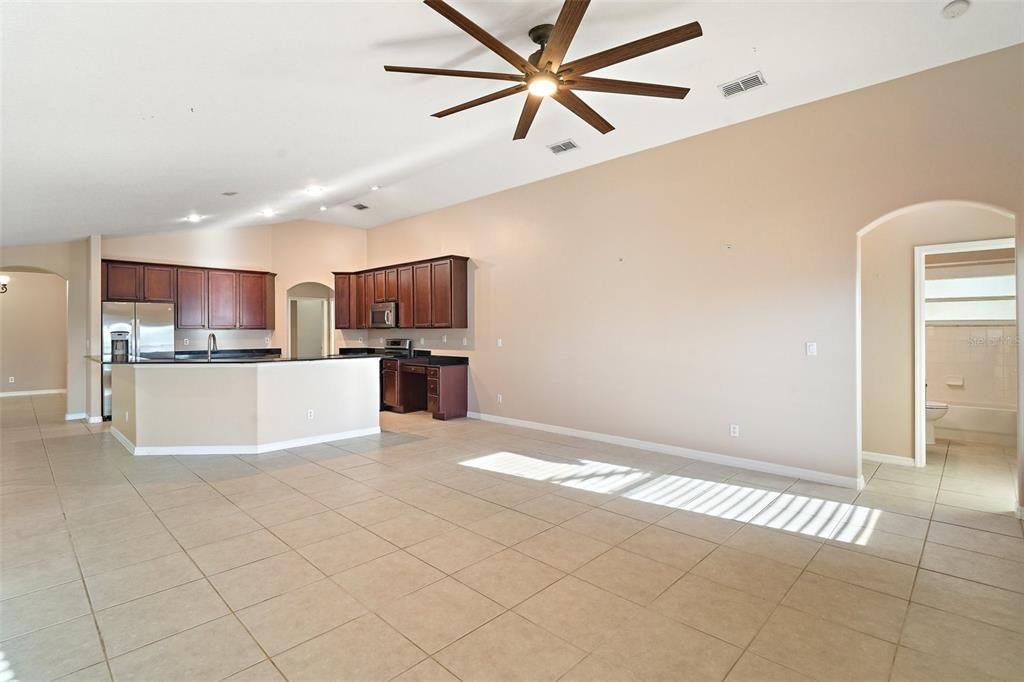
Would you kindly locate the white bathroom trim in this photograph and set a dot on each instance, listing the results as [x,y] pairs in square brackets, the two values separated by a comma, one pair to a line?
[855,482]
[883,458]
[920,252]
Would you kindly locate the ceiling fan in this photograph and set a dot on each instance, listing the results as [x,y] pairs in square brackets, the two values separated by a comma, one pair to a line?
[544,74]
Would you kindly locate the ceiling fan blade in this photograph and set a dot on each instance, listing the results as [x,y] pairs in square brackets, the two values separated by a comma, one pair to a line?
[565,28]
[490,75]
[599,60]
[481,100]
[577,106]
[626,87]
[526,118]
[493,44]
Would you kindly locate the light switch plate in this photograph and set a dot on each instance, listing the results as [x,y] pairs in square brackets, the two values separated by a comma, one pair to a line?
[812,348]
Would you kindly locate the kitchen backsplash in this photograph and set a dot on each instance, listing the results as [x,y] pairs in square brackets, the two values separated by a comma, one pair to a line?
[195,339]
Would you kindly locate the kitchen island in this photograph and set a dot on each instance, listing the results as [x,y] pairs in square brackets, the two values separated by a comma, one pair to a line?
[237,407]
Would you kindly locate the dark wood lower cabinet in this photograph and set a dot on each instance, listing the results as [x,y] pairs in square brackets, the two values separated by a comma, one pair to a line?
[389,387]
[442,391]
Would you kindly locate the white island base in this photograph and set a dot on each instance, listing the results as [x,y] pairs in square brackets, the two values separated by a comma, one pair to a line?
[243,408]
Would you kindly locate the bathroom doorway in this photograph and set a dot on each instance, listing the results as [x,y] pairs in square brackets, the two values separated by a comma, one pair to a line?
[965,347]
[310,305]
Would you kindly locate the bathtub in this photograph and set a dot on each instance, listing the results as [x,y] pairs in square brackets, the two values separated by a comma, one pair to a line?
[993,424]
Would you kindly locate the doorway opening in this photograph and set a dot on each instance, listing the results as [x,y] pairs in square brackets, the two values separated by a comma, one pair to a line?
[310,320]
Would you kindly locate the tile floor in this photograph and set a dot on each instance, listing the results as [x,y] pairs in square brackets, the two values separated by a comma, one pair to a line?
[466,550]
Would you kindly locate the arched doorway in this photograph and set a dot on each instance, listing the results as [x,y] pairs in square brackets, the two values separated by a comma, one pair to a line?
[890,367]
[310,320]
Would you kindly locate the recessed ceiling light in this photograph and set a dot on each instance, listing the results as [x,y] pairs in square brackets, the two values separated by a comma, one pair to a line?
[268,213]
[194,217]
[375,188]
[314,190]
[323,208]
[956,9]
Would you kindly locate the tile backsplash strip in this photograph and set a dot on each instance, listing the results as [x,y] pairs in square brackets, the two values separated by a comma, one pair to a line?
[226,338]
[985,357]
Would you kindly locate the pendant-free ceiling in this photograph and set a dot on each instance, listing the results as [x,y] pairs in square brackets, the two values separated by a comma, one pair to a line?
[544,74]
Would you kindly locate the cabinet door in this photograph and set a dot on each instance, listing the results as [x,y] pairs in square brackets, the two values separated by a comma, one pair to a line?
[103,281]
[421,295]
[404,276]
[368,297]
[222,308]
[391,284]
[190,308]
[441,293]
[158,283]
[358,314]
[252,300]
[342,301]
[124,282]
[389,387]
[380,288]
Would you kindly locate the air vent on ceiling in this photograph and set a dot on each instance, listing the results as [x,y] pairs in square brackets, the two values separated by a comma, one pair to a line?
[360,207]
[564,146]
[735,87]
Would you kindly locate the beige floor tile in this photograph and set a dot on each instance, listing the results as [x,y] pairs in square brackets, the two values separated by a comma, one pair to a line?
[132,506]
[306,531]
[366,649]
[993,504]
[671,651]
[54,651]
[858,608]
[629,575]
[821,649]
[784,547]
[136,623]
[1006,524]
[991,605]
[427,670]
[509,527]
[595,667]
[886,487]
[375,510]
[967,642]
[975,540]
[263,579]
[387,578]
[138,580]
[636,509]
[194,513]
[300,615]
[756,575]
[753,668]
[288,509]
[182,496]
[981,568]
[115,531]
[29,550]
[510,648]
[464,509]
[578,612]
[439,614]
[605,526]
[224,555]
[215,529]
[408,529]
[563,549]
[900,548]
[896,503]
[36,576]
[863,521]
[455,550]
[213,650]
[867,571]
[508,494]
[915,666]
[94,673]
[718,610]
[105,558]
[668,546]
[336,554]
[703,526]
[43,608]
[508,577]
[553,508]
[264,671]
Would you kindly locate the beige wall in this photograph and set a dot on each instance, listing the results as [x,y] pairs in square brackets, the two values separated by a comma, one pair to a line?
[624,310]
[33,333]
[887,307]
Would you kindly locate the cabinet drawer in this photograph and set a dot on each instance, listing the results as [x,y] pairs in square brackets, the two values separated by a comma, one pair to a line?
[433,404]
[432,386]
[414,369]
[433,372]
[391,364]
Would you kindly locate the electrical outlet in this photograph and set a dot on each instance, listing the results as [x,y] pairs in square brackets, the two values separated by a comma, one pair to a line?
[734,430]
[465,341]
[444,338]
[422,340]
[309,414]
[10,380]
[500,343]
[499,399]
[126,415]
[184,341]
[266,340]
[811,348]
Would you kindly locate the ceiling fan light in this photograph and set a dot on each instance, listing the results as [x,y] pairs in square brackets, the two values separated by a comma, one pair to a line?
[543,84]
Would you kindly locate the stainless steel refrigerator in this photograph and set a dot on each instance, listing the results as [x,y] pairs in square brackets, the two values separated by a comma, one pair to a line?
[150,328]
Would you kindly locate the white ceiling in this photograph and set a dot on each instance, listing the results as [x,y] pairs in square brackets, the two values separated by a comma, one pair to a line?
[124,117]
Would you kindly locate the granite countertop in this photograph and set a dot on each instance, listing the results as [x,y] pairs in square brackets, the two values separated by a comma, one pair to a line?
[221,357]
[420,357]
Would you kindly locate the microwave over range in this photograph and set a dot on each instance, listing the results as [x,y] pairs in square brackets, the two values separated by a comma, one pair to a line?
[384,315]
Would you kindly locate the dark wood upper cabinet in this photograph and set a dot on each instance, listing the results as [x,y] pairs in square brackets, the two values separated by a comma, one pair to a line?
[103,281]
[343,301]
[252,300]
[368,298]
[190,304]
[421,295]
[405,296]
[358,297]
[391,284]
[222,294]
[124,281]
[158,283]
[380,289]
[441,294]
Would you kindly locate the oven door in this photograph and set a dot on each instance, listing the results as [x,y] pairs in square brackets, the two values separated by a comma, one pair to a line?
[382,316]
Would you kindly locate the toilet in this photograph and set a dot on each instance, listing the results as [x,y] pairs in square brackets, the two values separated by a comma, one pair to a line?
[934,411]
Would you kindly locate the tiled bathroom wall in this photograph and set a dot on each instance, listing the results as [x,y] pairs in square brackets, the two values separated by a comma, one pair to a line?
[983,357]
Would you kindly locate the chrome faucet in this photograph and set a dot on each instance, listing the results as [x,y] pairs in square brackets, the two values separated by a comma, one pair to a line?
[211,346]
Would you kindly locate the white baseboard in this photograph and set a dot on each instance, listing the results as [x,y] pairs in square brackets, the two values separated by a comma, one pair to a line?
[45,391]
[856,482]
[883,458]
[75,416]
[1020,512]
[96,420]
[239,449]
